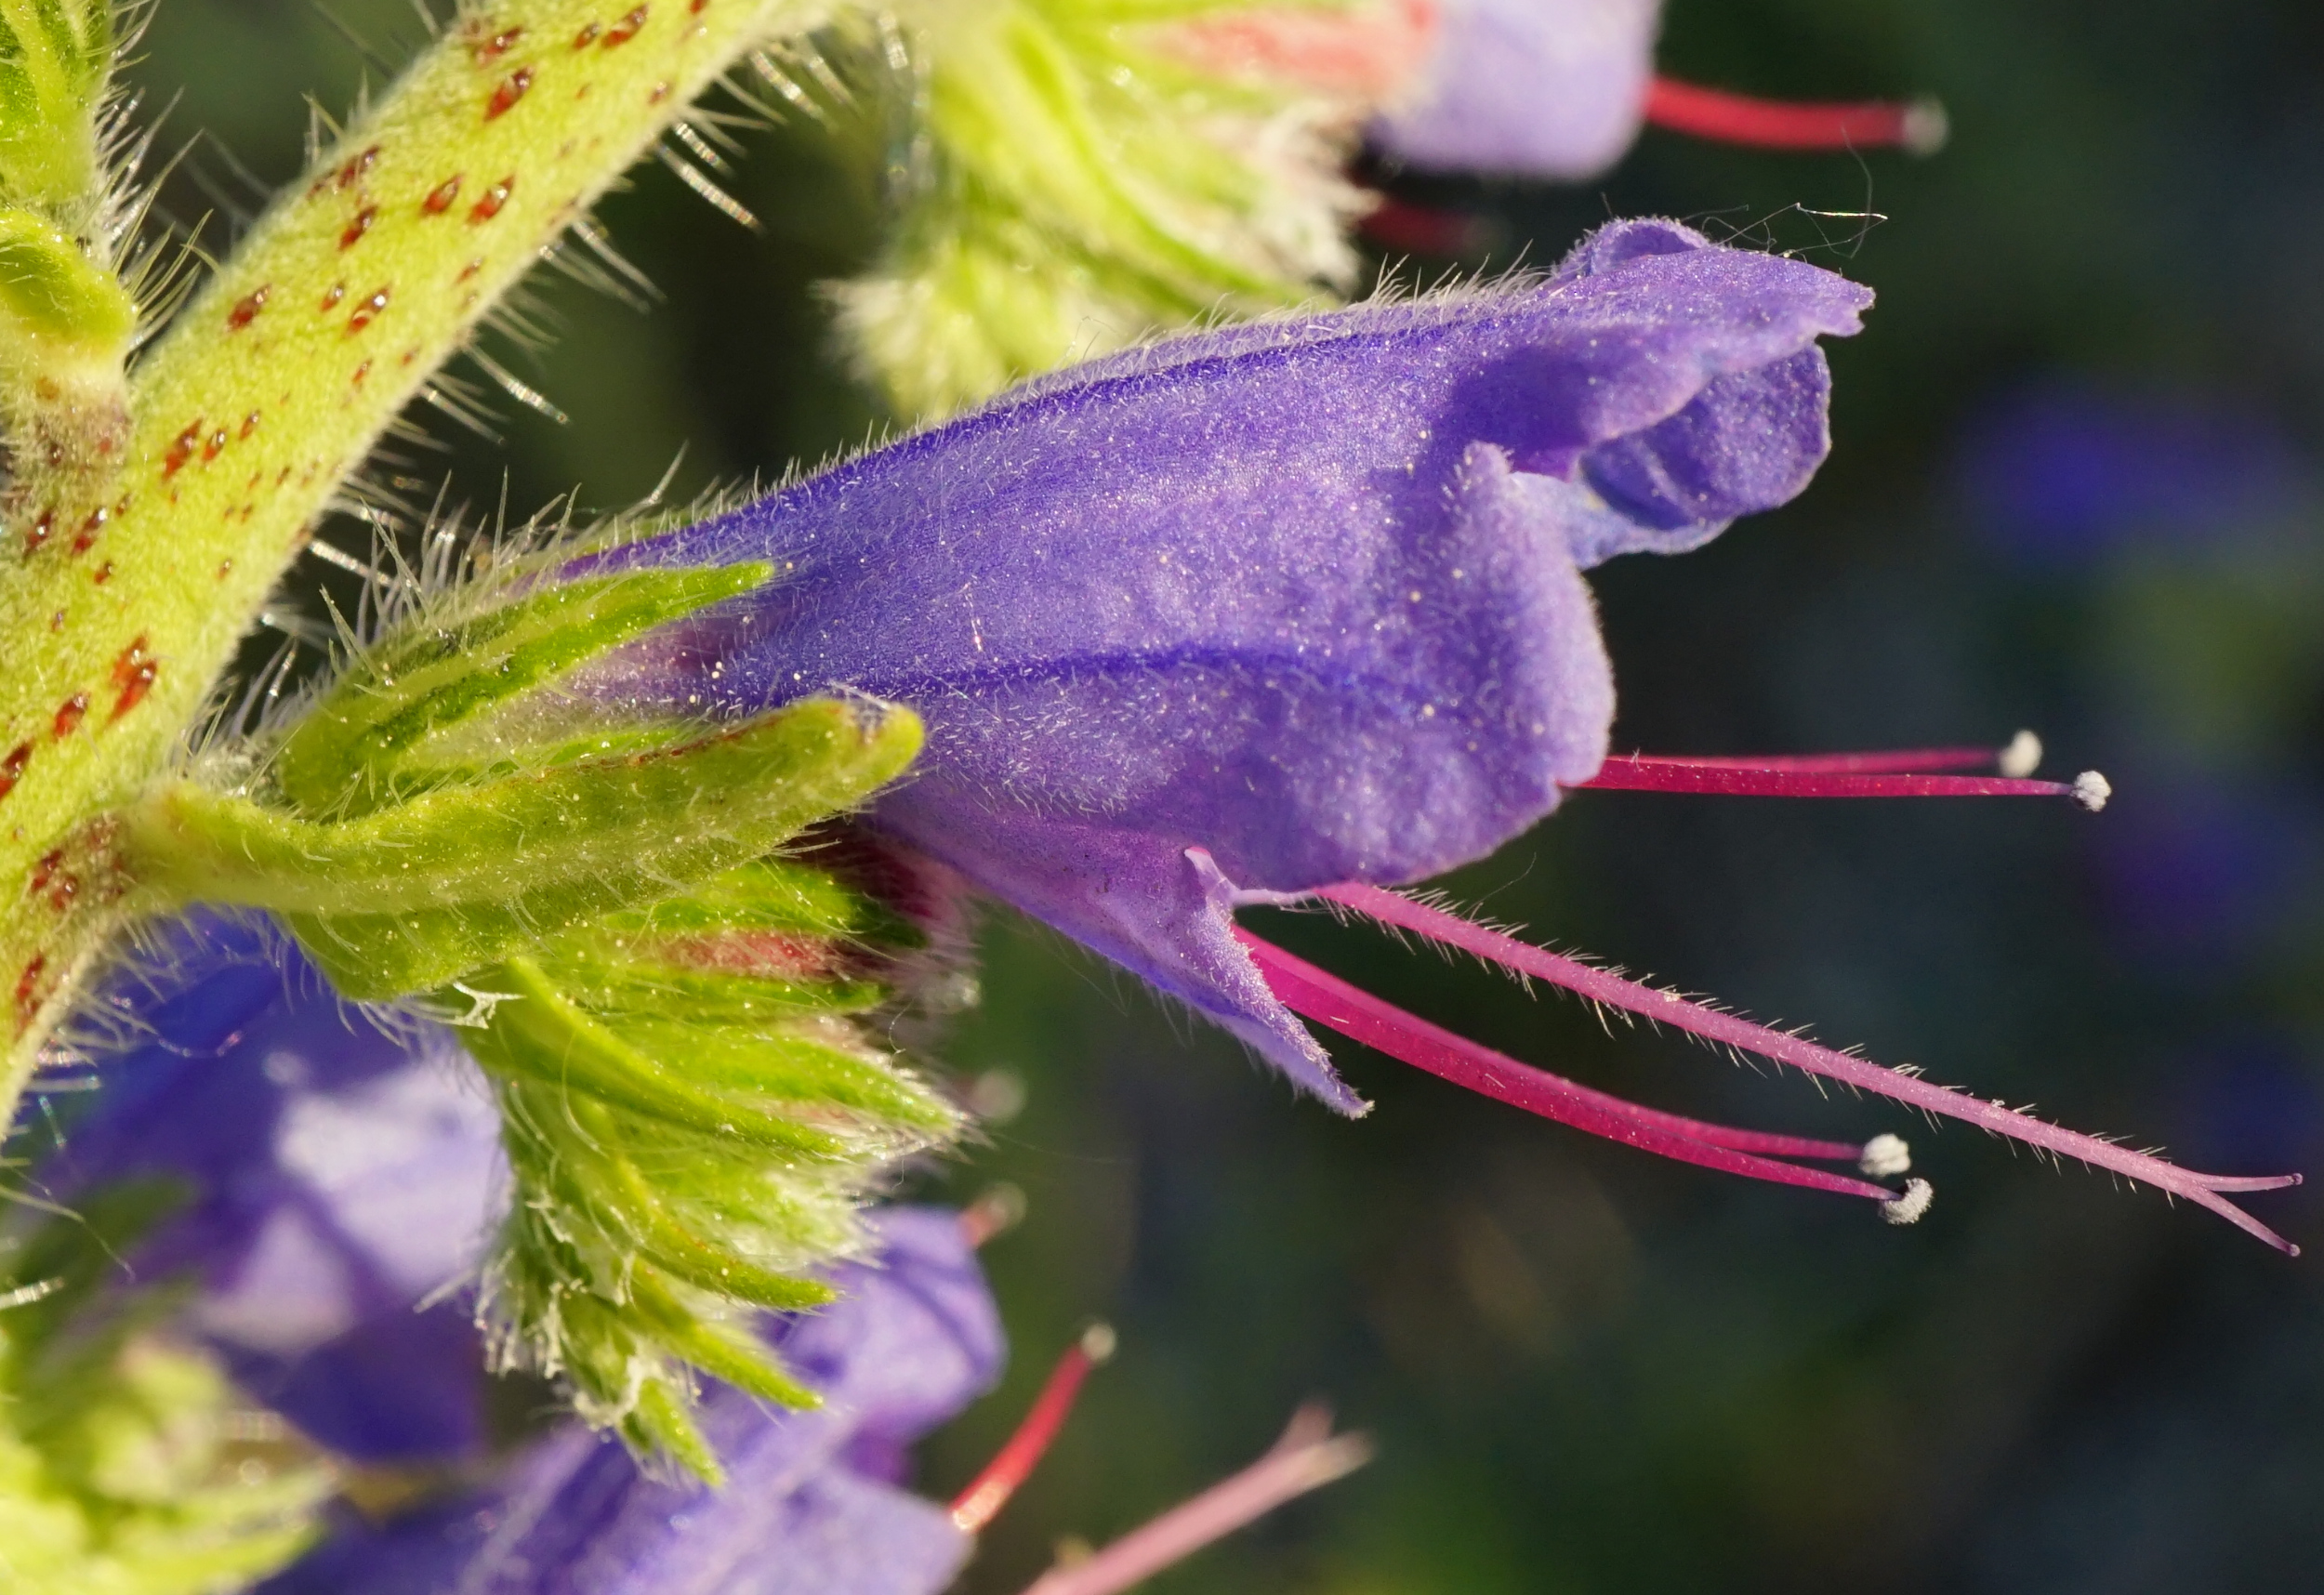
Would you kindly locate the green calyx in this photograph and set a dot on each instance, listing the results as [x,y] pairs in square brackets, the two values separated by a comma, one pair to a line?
[691,1114]
[128,1466]
[1088,185]
[666,1002]
[56,305]
[365,743]
[412,896]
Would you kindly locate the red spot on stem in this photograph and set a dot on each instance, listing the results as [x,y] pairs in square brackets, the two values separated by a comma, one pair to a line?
[133,675]
[28,990]
[586,37]
[181,450]
[246,309]
[512,89]
[331,298]
[488,204]
[357,228]
[627,28]
[249,424]
[38,532]
[369,311]
[493,48]
[12,767]
[214,445]
[440,198]
[90,528]
[357,167]
[69,715]
[104,573]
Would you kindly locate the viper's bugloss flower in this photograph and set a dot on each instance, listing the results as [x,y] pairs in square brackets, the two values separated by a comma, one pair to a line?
[335,1177]
[812,1505]
[1306,594]
[1297,608]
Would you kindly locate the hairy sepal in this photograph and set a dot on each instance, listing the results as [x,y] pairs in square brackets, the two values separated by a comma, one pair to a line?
[683,1136]
[1086,184]
[368,741]
[411,896]
[55,57]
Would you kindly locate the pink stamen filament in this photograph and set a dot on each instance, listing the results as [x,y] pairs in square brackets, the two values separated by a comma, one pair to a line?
[1307,1458]
[1014,1462]
[1421,230]
[1669,1007]
[1356,1013]
[1918,127]
[1835,775]
[1910,760]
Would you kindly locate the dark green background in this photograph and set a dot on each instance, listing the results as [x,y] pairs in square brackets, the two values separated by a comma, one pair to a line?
[1588,1370]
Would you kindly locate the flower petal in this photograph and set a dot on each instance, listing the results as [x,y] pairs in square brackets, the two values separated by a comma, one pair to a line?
[1303,594]
[916,1338]
[340,1175]
[1544,88]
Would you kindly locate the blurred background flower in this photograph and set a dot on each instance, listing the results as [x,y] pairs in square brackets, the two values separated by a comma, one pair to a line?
[2075,486]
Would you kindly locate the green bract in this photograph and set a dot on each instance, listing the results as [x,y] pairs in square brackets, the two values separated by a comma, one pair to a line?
[665,1006]
[1085,185]
[55,59]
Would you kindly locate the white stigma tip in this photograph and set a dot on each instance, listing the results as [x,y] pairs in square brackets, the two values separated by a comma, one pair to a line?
[2092,790]
[1098,1341]
[1885,1156]
[2022,757]
[1907,1208]
[1927,127]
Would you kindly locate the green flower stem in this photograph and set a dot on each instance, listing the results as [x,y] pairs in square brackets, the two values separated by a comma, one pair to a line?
[267,393]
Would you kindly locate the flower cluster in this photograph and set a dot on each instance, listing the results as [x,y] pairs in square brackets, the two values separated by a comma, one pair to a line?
[545,987]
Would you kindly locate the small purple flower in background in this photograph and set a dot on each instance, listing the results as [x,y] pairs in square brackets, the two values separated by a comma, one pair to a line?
[814,1502]
[2204,872]
[811,1505]
[1555,89]
[337,1176]
[1295,610]
[2062,474]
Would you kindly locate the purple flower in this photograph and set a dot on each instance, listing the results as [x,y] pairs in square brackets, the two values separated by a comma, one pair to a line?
[2062,475]
[1548,88]
[336,1177]
[1305,594]
[811,1505]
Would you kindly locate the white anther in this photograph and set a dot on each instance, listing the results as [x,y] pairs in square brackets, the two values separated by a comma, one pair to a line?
[2022,757]
[2092,790]
[1885,1156]
[1098,1342]
[1926,128]
[1907,1208]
